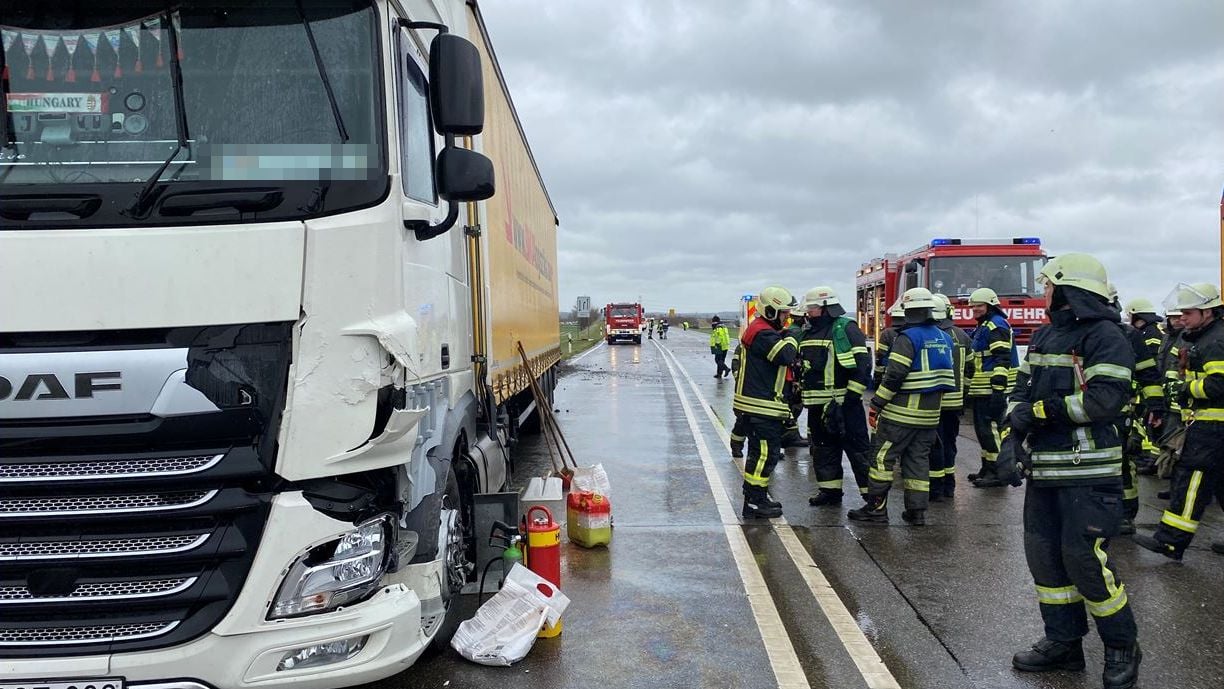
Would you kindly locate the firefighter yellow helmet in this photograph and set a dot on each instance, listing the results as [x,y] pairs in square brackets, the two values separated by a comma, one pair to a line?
[1077,270]
[984,295]
[917,298]
[824,297]
[775,301]
[820,296]
[1200,295]
[1135,307]
[943,307]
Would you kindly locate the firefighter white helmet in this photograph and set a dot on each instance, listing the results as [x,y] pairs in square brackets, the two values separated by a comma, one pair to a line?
[775,301]
[1077,270]
[984,295]
[1200,295]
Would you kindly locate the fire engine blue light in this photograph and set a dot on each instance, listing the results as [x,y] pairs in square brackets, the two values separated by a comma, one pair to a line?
[941,242]
[1026,240]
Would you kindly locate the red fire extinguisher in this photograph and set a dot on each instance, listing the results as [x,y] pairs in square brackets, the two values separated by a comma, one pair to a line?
[544,553]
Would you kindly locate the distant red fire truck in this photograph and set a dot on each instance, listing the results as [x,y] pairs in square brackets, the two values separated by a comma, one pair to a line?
[623,322]
[956,267]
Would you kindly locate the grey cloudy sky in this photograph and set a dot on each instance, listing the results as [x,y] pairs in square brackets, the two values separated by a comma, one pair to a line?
[700,150]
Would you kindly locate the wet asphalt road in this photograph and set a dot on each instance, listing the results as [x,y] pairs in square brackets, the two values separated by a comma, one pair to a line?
[943,606]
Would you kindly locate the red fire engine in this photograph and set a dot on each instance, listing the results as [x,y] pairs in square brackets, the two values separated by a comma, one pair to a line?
[623,322]
[956,267]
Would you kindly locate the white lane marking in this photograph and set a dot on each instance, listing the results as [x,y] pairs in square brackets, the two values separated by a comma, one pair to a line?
[781,653]
[873,670]
[587,353]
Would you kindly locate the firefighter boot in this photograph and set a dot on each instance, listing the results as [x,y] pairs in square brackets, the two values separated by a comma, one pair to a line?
[757,505]
[1121,666]
[1150,542]
[737,448]
[1127,528]
[1218,547]
[874,512]
[915,517]
[980,472]
[987,477]
[1047,655]
[825,497]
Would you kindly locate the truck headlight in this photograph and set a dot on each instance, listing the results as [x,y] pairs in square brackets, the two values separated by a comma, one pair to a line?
[335,573]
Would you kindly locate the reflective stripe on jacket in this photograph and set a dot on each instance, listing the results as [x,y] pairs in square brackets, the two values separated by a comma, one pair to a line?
[918,372]
[765,353]
[827,372]
[1202,355]
[1077,379]
[995,357]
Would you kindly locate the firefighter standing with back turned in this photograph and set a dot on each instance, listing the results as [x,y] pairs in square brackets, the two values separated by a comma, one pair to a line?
[836,371]
[720,342]
[943,453]
[905,411]
[1199,474]
[766,352]
[1072,388]
[994,375]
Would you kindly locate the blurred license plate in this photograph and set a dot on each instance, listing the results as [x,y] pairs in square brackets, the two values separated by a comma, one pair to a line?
[107,683]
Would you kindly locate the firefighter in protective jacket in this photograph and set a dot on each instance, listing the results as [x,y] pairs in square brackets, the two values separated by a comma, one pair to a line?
[994,376]
[1147,403]
[766,353]
[1198,475]
[943,453]
[905,411]
[1072,388]
[836,371]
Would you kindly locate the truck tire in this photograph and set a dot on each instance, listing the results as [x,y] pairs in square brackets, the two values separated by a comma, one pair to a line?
[637,340]
[611,340]
[457,552]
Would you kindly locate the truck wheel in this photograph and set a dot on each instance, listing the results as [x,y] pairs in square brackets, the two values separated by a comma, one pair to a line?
[611,340]
[456,549]
[637,340]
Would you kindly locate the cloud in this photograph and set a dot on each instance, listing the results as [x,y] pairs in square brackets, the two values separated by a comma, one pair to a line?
[700,150]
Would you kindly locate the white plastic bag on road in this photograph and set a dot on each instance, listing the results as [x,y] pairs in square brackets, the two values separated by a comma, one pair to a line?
[504,628]
[593,479]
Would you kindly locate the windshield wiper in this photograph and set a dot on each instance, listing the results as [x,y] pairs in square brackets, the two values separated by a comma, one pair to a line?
[327,86]
[140,207]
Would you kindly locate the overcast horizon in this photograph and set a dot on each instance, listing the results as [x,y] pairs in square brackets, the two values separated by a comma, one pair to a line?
[699,151]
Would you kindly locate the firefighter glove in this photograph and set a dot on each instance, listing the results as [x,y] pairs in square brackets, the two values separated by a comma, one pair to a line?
[1012,462]
[1021,419]
[834,418]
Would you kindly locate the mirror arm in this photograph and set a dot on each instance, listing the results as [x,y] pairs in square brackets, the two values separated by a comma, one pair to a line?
[440,28]
[424,231]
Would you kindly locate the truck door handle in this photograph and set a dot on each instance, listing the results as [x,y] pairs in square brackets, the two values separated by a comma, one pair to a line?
[445,356]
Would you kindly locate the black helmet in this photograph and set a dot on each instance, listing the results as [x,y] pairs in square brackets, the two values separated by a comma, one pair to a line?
[715,320]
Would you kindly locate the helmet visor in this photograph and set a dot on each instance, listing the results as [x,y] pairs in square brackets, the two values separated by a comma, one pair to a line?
[1186,296]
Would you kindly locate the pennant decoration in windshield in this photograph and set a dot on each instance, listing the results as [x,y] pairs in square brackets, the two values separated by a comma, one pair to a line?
[7,39]
[133,33]
[115,37]
[52,43]
[70,46]
[91,40]
[155,28]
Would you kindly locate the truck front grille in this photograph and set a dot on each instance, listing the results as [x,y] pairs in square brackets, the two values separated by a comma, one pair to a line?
[133,531]
[106,633]
[105,547]
[129,467]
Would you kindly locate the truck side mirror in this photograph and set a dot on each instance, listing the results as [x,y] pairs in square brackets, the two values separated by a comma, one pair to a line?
[464,175]
[456,86]
[911,267]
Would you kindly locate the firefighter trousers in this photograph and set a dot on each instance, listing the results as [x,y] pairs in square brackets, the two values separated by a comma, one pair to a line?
[943,452]
[1066,535]
[911,448]
[764,450]
[986,428]
[827,446]
[1197,477]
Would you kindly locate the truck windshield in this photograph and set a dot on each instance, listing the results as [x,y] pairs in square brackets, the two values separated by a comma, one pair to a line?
[1013,276]
[623,311]
[93,109]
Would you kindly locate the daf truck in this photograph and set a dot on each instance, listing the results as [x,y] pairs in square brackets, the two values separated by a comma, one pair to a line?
[265,268]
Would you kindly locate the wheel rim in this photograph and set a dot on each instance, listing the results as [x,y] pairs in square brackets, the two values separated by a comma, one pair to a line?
[455,562]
